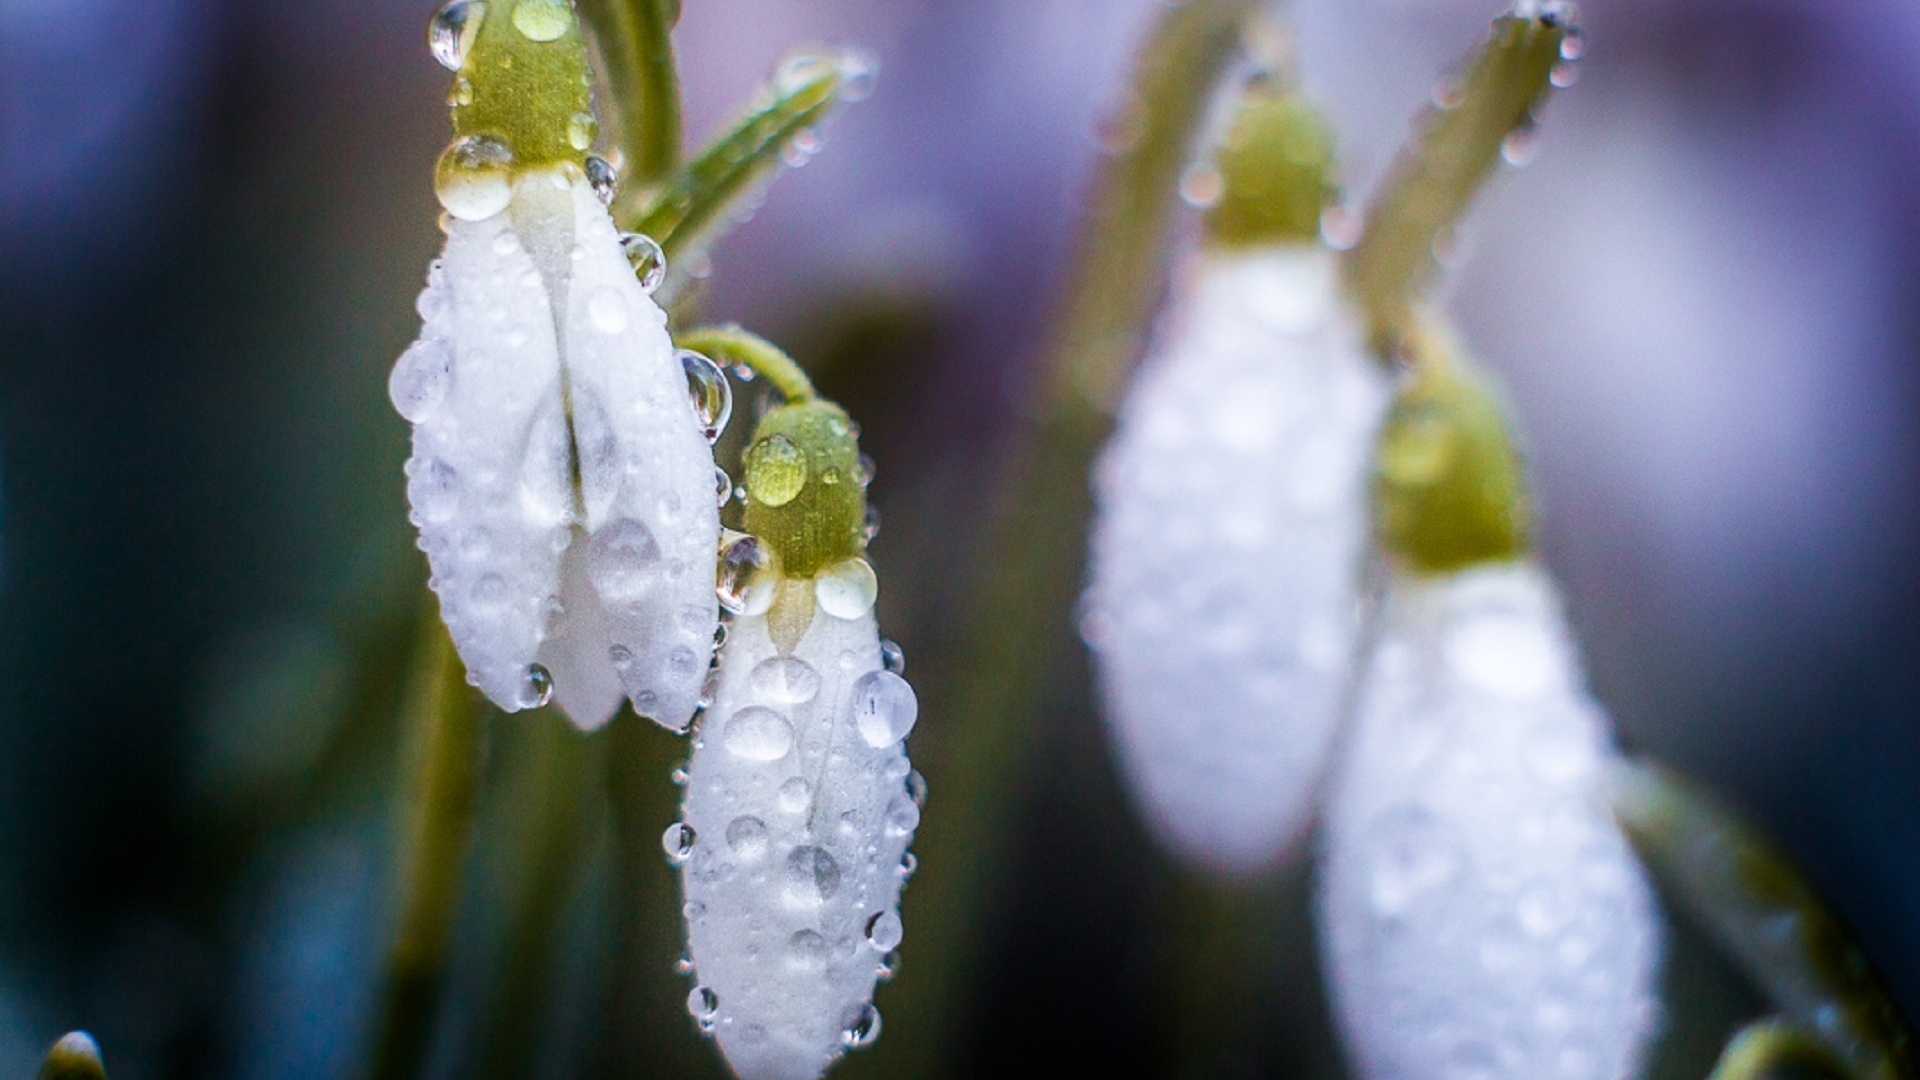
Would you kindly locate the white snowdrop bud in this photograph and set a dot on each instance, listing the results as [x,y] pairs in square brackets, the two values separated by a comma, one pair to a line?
[561,482]
[800,804]
[1480,912]
[1231,521]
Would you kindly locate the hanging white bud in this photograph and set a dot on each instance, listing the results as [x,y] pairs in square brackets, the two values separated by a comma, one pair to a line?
[560,480]
[1480,911]
[800,805]
[1231,520]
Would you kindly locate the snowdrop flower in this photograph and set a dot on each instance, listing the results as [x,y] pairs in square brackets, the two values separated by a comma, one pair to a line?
[563,488]
[1480,911]
[800,801]
[1232,514]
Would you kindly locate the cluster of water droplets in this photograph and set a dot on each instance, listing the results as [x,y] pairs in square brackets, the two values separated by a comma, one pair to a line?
[1225,552]
[1481,912]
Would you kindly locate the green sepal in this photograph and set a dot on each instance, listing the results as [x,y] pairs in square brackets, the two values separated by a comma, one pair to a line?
[694,204]
[1276,171]
[1434,179]
[1760,908]
[1449,488]
[529,94]
[805,493]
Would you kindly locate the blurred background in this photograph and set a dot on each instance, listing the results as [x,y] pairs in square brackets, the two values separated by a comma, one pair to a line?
[214,217]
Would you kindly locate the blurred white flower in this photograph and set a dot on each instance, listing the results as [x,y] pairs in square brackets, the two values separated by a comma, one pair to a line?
[563,487]
[800,805]
[1231,522]
[1480,912]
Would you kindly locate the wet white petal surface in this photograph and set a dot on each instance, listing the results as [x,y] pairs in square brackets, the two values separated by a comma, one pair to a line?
[1481,914]
[1226,550]
[800,825]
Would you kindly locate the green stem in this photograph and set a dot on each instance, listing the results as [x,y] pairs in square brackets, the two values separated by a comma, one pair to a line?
[693,204]
[559,826]
[1761,1048]
[1435,178]
[730,344]
[1013,638]
[635,45]
[439,828]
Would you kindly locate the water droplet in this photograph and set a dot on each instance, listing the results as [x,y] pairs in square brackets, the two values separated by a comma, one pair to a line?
[917,788]
[862,1028]
[794,795]
[859,70]
[471,178]
[708,392]
[679,776]
[747,837]
[1521,146]
[542,20]
[1448,93]
[889,966]
[677,842]
[909,862]
[903,815]
[461,92]
[1574,45]
[892,656]
[807,949]
[884,708]
[683,966]
[1564,75]
[801,148]
[1201,186]
[420,379]
[847,589]
[884,931]
[722,486]
[1414,856]
[744,581]
[786,680]
[812,874]
[623,560]
[603,178]
[1340,227]
[797,71]
[452,29]
[582,128]
[776,470]
[433,488]
[648,261]
[608,310]
[863,470]
[702,1003]
[870,528]
[536,687]
[757,733]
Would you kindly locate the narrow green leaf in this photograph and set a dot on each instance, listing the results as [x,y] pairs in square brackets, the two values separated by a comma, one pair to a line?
[634,46]
[1764,913]
[693,206]
[1459,140]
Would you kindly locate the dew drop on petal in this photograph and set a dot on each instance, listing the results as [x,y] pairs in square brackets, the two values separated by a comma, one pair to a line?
[884,931]
[707,392]
[776,470]
[536,687]
[433,487]
[794,794]
[807,949]
[903,815]
[812,873]
[870,528]
[847,589]
[623,559]
[862,1028]
[884,708]
[786,680]
[677,842]
[859,70]
[420,379]
[542,20]
[702,1003]
[757,733]
[747,837]
[471,178]
[1201,186]
[722,486]
[648,261]
[743,582]
[1414,857]
[799,70]
[603,178]
[892,656]
[451,32]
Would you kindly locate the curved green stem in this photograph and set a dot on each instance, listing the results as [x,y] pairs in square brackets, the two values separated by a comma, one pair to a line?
[1436,177]
[635,45]
[1764,1046]
[438,831]
[1014,636]
[730,344]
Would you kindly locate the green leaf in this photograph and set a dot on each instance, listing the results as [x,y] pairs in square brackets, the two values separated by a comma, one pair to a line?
[1765,914]
[1459,140]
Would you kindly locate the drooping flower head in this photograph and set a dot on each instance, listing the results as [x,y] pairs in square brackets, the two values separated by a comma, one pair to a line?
[563,488]
[800,800]
[1232,512]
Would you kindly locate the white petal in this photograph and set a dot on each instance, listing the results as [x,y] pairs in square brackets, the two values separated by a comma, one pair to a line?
[585,685]
[646,477]
[488,479]
[800,826]
[1479,909]
[1226,549]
